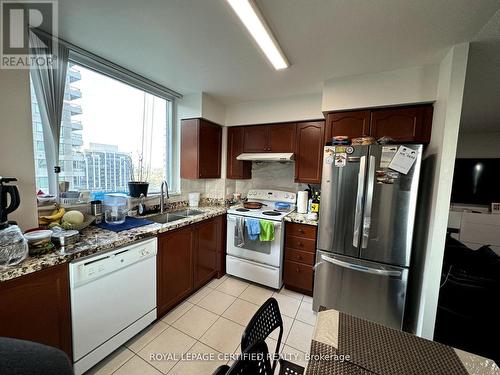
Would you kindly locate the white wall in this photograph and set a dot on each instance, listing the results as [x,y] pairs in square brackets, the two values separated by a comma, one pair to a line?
[479,145]
[16,142]
[213,110]
[396,87]
[445,127]
[292,108]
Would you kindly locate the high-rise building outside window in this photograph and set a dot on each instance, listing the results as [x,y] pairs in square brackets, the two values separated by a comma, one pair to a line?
[109,130]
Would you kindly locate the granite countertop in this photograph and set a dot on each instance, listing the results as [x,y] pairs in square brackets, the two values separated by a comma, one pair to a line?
[295,217]
[95,240]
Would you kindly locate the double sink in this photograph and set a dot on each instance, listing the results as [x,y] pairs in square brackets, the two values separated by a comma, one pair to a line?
[168,217]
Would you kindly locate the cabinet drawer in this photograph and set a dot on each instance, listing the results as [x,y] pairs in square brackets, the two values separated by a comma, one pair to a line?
[299,256]
[301,230]
[298,276]
[300,243]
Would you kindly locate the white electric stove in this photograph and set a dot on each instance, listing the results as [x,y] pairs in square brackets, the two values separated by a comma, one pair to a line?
[255,260]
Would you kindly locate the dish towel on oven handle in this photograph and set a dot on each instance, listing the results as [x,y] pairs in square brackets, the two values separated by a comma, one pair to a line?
[239,235]
[253,228]
[266,230]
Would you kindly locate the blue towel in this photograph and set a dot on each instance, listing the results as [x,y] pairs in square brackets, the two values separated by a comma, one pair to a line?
[253,228]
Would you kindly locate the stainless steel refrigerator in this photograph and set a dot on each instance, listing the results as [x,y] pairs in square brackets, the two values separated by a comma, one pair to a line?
[365,235]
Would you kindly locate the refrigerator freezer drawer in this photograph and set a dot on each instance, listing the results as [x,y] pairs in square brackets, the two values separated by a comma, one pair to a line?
[365,289]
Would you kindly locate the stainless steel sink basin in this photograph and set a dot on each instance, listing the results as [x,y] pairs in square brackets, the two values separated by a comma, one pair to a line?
[166,218]
[188,212]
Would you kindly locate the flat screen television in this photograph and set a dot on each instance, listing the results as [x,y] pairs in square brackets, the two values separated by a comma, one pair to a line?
[476,181]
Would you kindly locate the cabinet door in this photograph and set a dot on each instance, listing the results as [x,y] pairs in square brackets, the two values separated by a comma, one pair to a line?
[36,307]
[236,169]
[298,276]
[282,138]
[352,124]
[174,268]
[205,258]
[255,138]
[210,142]
[409,124]
[309,152]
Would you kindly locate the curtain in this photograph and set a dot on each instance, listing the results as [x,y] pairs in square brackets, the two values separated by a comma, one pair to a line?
[49,85]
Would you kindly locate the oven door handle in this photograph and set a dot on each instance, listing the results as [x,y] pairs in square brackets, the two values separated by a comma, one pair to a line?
[277,224]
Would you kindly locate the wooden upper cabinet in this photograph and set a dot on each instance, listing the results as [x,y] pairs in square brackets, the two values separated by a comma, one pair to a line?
[282,138]
[236,169]
[201,149]
[412,124]
[409,124]
[255,138]
[309,152]
[352,124]
[174,271]
[269,138]
[36,307]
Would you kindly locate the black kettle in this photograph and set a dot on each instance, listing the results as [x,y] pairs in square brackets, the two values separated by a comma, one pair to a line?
[9,200]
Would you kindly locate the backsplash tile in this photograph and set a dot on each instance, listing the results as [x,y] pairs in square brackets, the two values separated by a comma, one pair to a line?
[270,175]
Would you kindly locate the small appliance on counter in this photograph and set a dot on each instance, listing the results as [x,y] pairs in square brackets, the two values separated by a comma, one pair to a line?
[115,208]
[13,245]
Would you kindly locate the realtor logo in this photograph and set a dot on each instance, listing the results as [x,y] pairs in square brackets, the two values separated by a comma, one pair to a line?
[20,47]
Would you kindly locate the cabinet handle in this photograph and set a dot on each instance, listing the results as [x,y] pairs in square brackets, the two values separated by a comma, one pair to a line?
[299,257]
[301,230]
[300,244]
[297,270]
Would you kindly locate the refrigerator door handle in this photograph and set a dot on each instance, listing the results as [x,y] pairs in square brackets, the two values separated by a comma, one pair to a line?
[356,267]
[367,216]
[358,213]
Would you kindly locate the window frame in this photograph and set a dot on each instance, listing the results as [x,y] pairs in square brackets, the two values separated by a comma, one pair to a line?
[113,71]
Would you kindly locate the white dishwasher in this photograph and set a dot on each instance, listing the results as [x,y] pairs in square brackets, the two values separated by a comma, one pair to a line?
[113,297]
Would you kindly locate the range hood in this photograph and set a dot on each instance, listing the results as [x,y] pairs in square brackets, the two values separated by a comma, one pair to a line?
[266,156]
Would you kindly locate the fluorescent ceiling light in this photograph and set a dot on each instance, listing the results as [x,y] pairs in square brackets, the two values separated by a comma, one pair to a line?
[254,22]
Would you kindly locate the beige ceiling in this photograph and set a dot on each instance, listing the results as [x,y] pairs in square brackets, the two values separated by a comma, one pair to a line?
[200,45]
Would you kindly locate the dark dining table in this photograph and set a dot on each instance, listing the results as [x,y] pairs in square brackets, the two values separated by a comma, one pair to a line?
[345,344]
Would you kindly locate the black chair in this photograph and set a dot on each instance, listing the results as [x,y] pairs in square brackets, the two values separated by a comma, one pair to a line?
[254,360]
[263,323]
[20,357]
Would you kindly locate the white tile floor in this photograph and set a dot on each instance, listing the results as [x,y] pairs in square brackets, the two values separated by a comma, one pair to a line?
[210,322]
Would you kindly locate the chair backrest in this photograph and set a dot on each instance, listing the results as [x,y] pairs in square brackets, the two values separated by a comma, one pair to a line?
[265,320]
[254,360]
[20,357]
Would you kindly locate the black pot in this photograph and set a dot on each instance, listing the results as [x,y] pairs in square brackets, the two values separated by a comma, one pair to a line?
[135,189]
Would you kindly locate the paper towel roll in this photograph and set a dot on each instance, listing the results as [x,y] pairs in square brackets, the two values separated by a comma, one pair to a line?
[302,199]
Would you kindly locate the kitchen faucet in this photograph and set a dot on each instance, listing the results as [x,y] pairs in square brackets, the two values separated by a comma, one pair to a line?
[162,195]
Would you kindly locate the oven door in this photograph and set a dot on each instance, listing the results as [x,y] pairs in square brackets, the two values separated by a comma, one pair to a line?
[266,252]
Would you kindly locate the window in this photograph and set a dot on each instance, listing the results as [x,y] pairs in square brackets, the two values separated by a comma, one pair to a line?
[111,133]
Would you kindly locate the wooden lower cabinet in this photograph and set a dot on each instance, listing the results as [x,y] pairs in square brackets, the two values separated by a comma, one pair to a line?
[299,277]
[206,251]
[174,270]
[36,307]
[187,259]
[300,250]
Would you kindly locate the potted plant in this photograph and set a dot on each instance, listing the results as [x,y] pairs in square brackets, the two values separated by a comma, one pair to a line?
[138,184]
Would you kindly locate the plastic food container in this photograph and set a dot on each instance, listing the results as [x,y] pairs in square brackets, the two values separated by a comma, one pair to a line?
[282,206]
[65,237]
[115,207]
[39,241]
